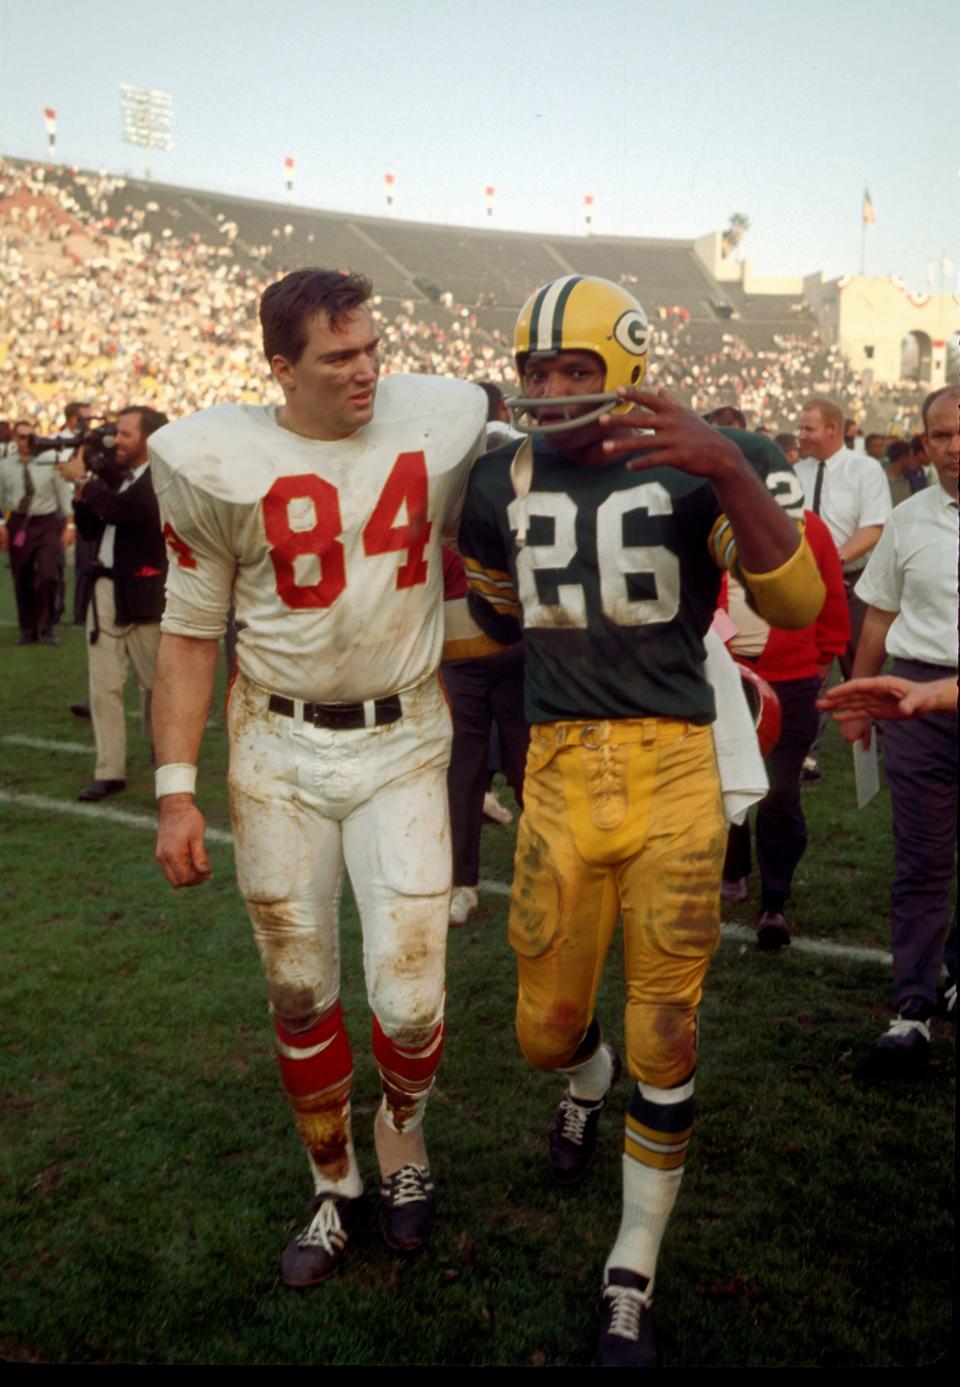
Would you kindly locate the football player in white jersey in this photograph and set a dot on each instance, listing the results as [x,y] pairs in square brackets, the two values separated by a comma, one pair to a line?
[322,522]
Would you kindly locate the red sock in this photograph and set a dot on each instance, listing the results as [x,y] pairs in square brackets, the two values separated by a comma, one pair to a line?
[406,1075]
[316,1068]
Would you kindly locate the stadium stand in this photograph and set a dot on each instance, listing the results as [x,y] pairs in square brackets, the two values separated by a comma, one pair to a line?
[113,288]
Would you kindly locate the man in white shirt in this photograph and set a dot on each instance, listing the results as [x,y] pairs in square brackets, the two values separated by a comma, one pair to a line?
[849,491]
[911,587]
[38,501]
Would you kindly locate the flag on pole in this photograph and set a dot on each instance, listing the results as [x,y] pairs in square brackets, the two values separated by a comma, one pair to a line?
[489,193]
[50,119]
[869,212]
[588,210]
[388,181]
[289,165]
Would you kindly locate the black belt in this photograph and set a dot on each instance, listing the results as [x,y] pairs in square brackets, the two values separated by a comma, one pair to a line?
[340,716]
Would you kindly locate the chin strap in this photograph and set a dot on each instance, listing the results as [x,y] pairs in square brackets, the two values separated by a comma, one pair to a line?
[521,476]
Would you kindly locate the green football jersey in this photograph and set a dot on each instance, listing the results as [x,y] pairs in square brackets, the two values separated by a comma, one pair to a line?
[614,585]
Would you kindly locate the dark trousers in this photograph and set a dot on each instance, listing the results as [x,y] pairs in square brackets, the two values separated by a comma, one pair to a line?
[781,827]
[481,693]
[920,760]
[857,609]
[35,557]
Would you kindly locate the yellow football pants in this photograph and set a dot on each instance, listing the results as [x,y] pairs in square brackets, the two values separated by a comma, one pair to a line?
[618,816]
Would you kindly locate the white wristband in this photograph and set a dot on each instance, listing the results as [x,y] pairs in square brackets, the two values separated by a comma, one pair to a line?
[177,778]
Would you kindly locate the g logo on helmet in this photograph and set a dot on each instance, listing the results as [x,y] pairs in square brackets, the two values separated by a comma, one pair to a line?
[631,331]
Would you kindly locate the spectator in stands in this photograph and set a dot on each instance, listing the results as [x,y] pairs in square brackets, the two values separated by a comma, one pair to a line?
[40,523]
[911,586]
[850,494]
[8,446]
[126,597]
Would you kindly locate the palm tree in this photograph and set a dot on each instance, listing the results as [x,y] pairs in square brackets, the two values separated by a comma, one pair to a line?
[735,232]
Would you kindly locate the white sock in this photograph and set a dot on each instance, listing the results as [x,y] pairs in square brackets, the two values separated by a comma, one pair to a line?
[648,1199]
[590,1081]
[659,1123]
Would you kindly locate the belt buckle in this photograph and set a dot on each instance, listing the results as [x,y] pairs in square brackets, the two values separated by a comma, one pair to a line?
[602,729]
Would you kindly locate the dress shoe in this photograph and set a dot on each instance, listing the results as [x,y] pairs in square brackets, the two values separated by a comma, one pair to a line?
[80,710]
[48,638]
[26,638]
[99,789]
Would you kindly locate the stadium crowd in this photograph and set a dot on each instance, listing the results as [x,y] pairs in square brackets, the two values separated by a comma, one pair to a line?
[98,306]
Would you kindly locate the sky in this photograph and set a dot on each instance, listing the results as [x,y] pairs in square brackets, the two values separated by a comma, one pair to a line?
[672,116]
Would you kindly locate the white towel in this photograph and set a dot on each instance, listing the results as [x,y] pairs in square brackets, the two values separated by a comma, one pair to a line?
[743,776]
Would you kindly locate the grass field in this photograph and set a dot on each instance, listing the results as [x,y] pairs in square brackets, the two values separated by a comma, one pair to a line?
[150,1174]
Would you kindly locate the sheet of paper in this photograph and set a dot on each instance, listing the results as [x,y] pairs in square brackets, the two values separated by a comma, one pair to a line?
[866,770]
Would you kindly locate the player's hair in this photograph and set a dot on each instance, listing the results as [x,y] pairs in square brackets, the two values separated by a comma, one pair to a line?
[495,405]
[786,441]
[870,438]
[288,305]
[150,419]
[936,395]
[830,413]
[897,449]
[728,416]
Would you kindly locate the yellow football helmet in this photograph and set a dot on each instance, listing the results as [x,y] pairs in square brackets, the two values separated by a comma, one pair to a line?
[581,313]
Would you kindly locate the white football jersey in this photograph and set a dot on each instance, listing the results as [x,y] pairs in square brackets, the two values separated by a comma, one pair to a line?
[330,551]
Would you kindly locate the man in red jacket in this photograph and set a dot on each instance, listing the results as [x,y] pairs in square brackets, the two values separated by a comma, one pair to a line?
[794,663]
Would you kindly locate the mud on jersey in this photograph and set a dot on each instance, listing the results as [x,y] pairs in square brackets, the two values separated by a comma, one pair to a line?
[329,550]
[616,583]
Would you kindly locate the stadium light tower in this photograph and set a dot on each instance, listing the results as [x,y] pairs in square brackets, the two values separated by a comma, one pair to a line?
[146,120]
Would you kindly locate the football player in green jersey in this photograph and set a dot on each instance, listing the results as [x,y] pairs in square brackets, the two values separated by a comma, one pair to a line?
[601,538]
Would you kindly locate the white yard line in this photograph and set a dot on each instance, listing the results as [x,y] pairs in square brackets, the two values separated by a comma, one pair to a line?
[736,933]
[41,744]
[96,811]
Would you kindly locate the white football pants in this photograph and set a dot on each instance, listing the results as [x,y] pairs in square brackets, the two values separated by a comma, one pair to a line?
[304,802]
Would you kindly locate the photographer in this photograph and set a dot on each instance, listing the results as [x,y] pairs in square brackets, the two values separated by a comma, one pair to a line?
[38,501]
[124,600]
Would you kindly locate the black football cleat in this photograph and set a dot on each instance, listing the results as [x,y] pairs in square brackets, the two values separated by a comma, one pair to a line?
[573,1135]
[319,1249]
[626,1323]
[406,1208]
